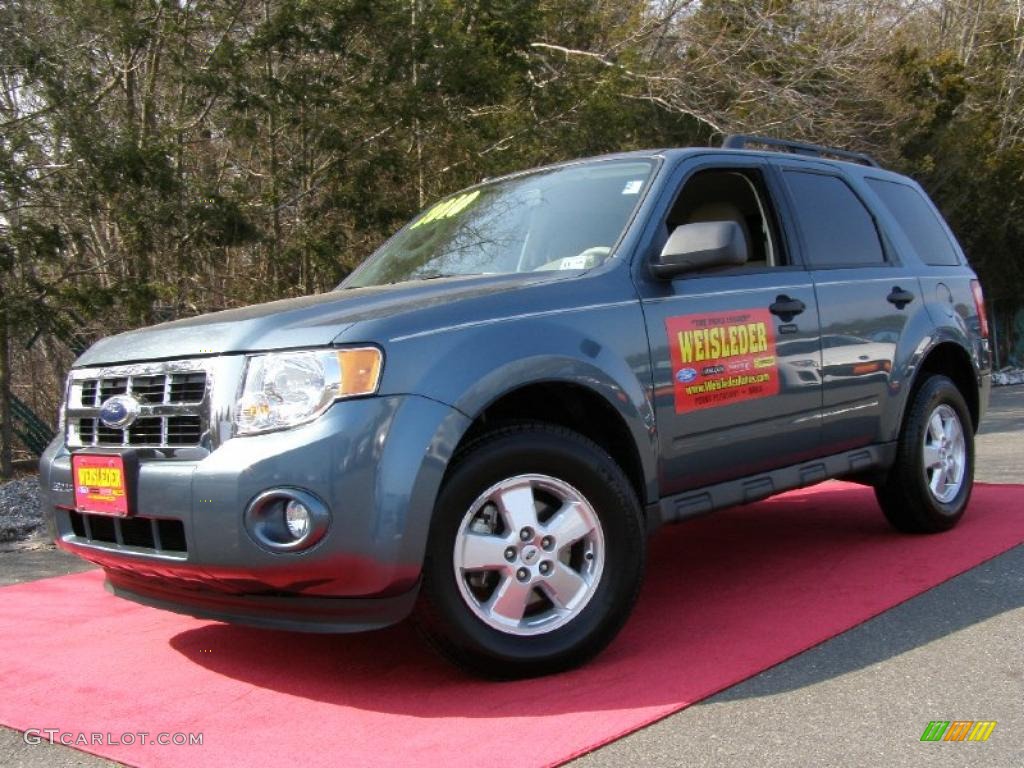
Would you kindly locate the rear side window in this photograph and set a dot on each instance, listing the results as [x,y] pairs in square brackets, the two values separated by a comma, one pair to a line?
[838,230]
[918,221]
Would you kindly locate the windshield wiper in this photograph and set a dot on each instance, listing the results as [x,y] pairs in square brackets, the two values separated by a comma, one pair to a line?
[422,276]
[437,275]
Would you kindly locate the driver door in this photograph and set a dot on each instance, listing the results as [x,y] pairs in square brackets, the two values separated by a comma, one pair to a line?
[736,351]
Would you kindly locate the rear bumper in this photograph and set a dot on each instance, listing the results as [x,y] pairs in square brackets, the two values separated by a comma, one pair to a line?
[984,394]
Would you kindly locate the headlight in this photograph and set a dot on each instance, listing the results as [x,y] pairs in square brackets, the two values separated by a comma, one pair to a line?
[285,389]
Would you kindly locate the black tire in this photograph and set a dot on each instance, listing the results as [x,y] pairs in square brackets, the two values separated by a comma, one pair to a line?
[445,617]
[905,495]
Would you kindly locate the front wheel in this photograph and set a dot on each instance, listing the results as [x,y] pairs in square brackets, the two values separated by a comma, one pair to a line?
[536,554]
[928,487]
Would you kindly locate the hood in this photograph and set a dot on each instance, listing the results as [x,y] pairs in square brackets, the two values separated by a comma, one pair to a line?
[307,321]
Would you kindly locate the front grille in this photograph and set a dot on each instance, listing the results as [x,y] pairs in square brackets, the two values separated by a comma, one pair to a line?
[153,389]
[111,387]
[172,404]
[180,431]
[187,387]
[149,533]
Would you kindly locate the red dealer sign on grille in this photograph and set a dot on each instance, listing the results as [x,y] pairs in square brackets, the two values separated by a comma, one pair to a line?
[722,357]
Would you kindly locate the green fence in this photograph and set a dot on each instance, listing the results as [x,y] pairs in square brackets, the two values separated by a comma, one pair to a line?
[34,433]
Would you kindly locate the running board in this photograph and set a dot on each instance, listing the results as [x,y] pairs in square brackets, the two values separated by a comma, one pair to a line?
[701,501]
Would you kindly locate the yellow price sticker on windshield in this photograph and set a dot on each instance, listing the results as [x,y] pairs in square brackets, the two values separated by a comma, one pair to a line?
[447,208]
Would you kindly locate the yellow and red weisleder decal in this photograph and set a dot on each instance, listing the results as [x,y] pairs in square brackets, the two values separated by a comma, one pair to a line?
[722,358]
[99,484]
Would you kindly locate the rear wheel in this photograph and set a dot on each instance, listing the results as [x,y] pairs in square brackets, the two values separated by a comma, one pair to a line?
[928,487]
[536,554]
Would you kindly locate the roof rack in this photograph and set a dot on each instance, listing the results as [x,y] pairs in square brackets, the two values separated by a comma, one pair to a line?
[741,141]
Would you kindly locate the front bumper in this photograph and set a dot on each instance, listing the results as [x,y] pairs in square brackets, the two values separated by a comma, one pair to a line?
[292,612]
[377,464]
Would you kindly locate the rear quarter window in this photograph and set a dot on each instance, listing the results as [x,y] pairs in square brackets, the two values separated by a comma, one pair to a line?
[837,229]
[918,221]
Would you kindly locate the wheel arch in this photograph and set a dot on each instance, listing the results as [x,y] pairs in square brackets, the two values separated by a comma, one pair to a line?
[948,358]
[592,405]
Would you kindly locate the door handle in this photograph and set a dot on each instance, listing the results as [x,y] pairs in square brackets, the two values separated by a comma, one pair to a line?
[899,297]
[787,308]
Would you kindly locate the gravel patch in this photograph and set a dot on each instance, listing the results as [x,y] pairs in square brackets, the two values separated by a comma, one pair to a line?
[20,513]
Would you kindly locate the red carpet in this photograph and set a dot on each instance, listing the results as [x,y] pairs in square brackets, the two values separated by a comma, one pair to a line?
[727,596]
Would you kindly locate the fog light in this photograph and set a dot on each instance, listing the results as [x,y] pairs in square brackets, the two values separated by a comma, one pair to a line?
[296,518]
[287,519]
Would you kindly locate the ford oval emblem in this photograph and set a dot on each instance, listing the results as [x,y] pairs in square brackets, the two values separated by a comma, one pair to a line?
[119,411]
[686,375]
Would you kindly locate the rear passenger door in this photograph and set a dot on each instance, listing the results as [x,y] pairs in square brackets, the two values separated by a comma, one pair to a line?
[865,298]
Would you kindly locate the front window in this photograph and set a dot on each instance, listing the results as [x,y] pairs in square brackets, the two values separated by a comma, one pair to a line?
[566,218]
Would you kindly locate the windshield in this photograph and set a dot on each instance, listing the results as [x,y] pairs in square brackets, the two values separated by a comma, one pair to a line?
[564,218]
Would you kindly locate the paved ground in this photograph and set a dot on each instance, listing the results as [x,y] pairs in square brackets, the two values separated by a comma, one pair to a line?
[40,561]
[1000,443]
[862,698]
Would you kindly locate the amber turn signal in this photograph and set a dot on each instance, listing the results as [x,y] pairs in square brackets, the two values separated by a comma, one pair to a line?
[360,371]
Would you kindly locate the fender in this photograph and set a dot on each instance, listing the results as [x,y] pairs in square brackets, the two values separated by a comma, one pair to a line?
[471,368]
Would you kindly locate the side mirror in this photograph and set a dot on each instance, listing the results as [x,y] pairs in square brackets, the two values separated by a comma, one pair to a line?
[700,245]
